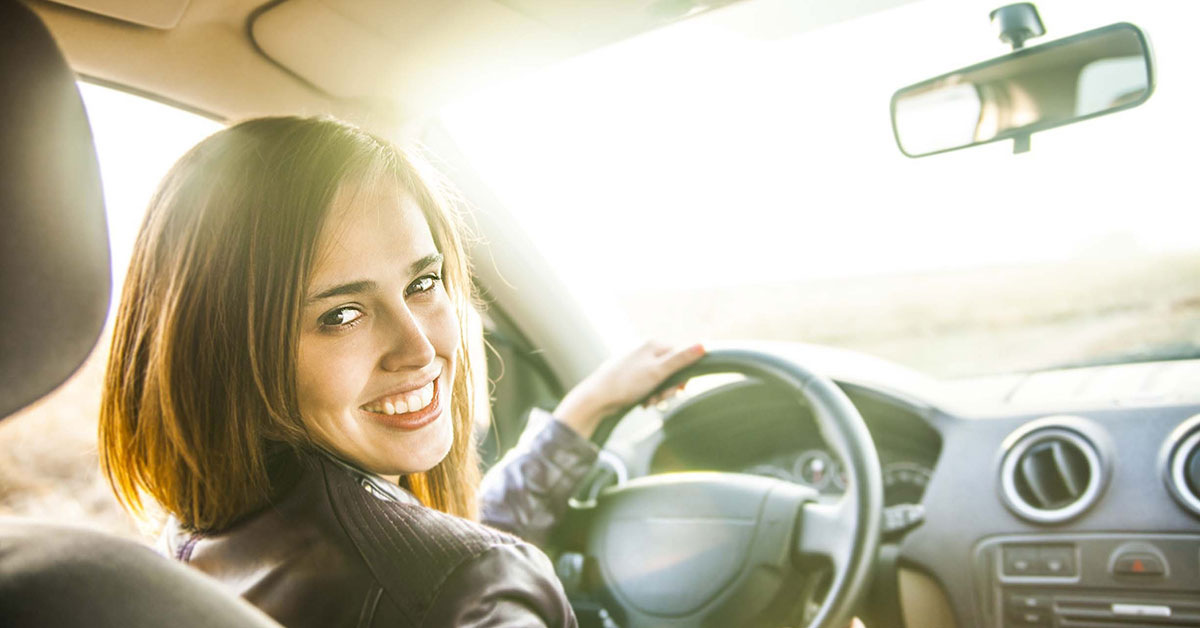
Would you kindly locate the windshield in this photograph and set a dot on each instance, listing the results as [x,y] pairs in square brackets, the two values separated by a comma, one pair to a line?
[735,176]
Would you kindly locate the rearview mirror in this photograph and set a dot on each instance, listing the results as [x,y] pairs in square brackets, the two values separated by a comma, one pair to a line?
[1083,76]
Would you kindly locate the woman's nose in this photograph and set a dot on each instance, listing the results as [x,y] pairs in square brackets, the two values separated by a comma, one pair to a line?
[407,345]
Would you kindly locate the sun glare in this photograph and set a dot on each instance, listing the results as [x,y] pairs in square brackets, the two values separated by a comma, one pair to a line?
[724,157]
[137,140]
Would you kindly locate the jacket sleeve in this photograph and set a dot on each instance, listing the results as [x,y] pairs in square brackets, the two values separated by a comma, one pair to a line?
[506,585]
[527,491]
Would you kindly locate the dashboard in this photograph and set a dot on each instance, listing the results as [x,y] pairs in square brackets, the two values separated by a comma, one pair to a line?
[904,481]
[780,440]
[1050,506]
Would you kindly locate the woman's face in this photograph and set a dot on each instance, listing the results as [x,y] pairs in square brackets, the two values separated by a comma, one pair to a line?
[378,335]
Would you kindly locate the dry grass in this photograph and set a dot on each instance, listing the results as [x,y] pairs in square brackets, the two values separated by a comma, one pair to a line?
[958,324]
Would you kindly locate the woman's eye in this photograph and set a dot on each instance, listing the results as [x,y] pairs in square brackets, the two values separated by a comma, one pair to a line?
[424,283]
[341,317]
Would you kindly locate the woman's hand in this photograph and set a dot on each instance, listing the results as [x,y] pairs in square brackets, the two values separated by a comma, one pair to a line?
[622,381]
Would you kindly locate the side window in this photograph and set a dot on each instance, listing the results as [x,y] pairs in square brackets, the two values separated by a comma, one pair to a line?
[137,141]
[518,381]
[48,463]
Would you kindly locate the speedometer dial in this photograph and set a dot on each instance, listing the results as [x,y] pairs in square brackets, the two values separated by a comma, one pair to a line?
[904,483]
[815,468]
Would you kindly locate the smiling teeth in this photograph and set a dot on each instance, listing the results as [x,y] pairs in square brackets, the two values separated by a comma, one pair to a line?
[405,402]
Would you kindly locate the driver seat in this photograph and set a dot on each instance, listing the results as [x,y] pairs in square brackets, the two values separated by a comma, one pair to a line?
[54,279]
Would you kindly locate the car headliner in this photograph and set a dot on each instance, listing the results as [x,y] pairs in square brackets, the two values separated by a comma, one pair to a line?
[383,65]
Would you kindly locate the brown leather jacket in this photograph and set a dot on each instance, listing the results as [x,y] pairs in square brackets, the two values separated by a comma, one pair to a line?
[344,548]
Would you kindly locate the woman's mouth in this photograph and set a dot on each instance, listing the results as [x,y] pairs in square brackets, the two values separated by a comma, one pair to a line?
[404,403]
[410,410]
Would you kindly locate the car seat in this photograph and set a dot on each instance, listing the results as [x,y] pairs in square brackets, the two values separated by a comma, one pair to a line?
[54,279]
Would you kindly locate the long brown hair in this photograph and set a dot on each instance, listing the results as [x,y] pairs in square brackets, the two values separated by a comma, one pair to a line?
[200,390]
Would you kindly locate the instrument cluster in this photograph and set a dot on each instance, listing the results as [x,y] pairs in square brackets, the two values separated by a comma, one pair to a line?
[904,482]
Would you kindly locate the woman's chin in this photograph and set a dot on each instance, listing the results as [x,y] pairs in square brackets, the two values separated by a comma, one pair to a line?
[420,451]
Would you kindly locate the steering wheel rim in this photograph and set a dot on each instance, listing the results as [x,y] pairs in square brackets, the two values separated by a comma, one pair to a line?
[823,530]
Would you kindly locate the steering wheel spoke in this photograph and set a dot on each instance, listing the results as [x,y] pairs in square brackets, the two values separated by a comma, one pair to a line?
[826,530]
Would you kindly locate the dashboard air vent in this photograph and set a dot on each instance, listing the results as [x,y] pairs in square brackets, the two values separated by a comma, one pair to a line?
[1050,475]
[1183,464]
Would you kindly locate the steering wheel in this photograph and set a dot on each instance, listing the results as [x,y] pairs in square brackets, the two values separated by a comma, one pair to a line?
[727,549]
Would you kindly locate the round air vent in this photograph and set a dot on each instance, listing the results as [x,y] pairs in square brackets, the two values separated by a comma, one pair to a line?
[1051,474]
[1182,468]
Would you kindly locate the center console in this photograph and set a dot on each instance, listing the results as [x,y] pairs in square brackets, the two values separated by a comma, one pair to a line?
[1090,580]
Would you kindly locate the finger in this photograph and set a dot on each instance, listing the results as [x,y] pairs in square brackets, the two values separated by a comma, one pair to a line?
[670,392]
[683,357]
[664,395]
[655,348]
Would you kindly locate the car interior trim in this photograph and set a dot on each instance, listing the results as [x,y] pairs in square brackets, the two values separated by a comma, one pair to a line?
[1008,474]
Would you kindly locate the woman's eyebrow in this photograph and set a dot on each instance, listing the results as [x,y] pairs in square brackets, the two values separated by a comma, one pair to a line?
[354,287]
[358,287]
[425,262]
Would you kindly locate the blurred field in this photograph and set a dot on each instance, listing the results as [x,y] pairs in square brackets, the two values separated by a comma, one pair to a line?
[951,324]
[48,462]
[962,323]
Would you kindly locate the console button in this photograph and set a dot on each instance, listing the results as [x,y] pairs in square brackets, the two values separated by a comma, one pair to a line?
[1022,603]
[1057,560]
[1021,561]
[1138,564]
[1029,618]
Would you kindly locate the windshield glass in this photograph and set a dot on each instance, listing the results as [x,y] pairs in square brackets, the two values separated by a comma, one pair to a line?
[735,176]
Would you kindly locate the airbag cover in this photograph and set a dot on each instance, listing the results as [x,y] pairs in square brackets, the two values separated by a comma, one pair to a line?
[671,544]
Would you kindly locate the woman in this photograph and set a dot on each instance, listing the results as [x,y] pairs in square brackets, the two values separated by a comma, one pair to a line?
[290,379]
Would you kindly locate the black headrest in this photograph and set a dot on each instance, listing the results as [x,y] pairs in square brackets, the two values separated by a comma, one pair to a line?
[54,265]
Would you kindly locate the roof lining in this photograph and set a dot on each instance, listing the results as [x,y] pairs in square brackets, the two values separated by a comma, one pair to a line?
[148,95]
[250,20]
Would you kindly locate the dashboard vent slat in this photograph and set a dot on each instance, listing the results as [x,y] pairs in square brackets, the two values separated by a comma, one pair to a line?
[1051,475]
[1072,468]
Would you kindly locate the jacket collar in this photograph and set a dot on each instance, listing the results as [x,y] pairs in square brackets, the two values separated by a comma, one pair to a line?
[372,483]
